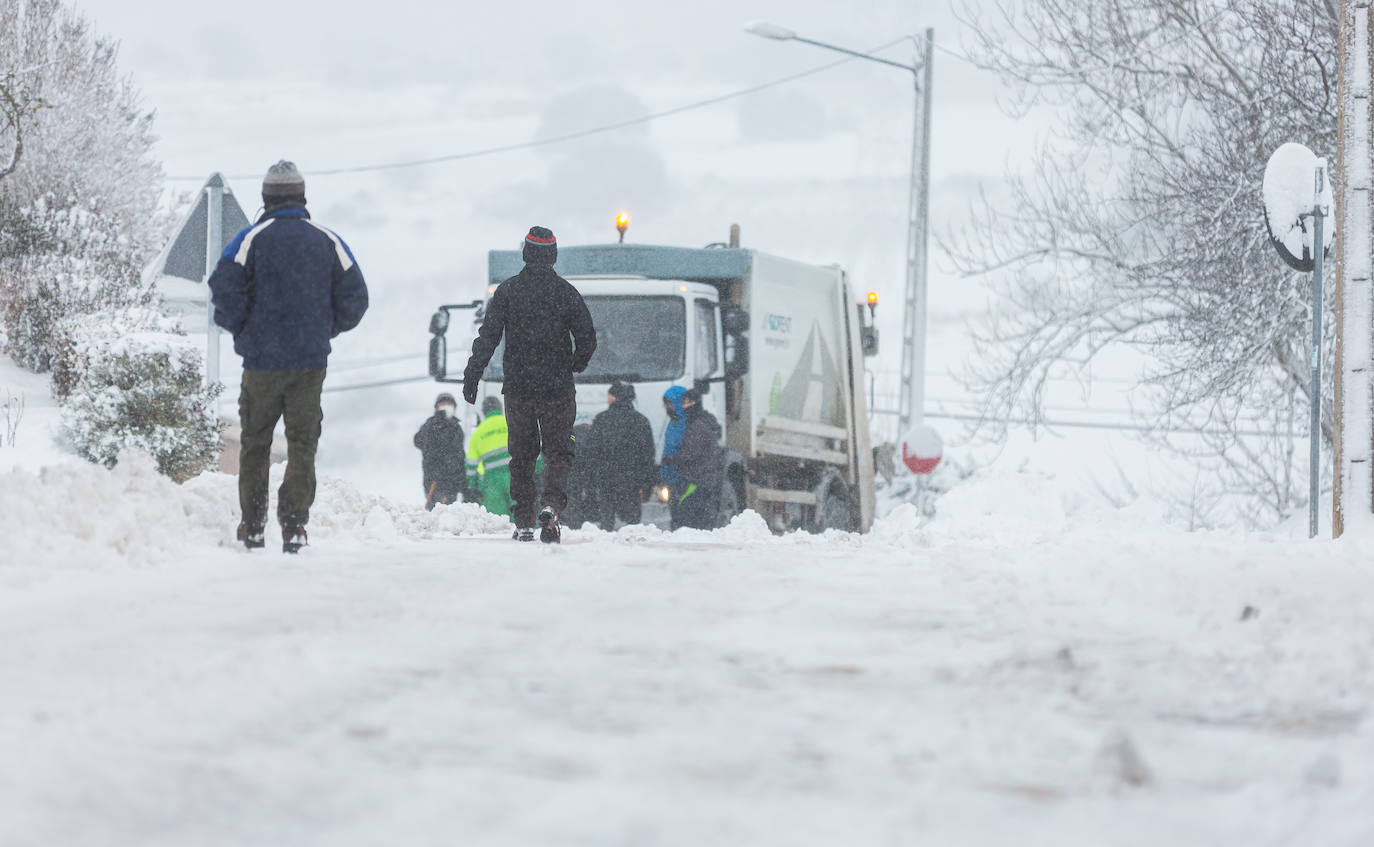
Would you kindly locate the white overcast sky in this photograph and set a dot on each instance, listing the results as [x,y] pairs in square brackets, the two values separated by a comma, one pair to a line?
[546,47]
[816,169]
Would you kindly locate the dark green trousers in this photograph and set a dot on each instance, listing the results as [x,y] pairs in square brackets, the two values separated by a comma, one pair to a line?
[264,398]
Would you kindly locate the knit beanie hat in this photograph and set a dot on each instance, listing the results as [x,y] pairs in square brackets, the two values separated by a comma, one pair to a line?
[445,398]
[283,184]
[491,404]
[541,248]
[622,390]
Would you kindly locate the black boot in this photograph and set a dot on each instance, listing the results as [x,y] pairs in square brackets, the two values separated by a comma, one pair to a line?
[251,537]
[548,526]
[293,538]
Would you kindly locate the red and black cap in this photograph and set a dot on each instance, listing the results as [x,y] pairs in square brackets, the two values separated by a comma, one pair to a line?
[541,248]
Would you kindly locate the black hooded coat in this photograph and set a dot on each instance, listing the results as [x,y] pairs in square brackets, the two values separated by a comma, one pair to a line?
[542,317]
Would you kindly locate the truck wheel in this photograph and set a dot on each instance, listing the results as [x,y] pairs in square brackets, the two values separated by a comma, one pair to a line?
[833,511]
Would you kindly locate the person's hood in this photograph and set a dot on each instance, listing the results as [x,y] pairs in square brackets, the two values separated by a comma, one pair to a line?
[674,395]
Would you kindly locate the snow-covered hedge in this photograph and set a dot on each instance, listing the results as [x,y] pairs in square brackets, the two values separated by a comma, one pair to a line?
[60,262]
[136,383]
[79,211]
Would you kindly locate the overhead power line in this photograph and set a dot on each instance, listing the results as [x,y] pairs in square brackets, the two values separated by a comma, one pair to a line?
[381,384]
[355,364]
[1051,424]
[569,136]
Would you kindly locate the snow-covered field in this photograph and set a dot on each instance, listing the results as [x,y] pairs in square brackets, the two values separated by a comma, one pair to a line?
[1020,670]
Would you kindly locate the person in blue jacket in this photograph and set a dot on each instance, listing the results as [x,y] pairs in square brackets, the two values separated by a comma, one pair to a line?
[694,460]
[672,443]
[283,288]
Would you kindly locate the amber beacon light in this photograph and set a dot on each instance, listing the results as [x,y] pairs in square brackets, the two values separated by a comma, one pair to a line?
[622,222]
[872,301]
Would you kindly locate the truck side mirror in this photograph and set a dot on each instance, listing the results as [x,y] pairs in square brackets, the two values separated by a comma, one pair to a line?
[438,357]
[438,322]
[734,323]
[733,319]
[736,356]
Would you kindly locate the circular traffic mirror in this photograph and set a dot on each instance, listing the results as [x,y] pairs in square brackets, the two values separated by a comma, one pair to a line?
[1296,184]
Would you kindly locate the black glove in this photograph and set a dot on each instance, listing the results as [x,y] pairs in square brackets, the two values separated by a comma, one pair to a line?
[470,392]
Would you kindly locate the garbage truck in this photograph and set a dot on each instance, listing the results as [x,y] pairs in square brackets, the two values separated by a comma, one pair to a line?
[775,347]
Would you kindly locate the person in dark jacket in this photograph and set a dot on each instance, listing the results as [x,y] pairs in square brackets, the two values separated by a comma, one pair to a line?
[582,505]
[283,288]
[672,443]
[620,457]
[549,337]
[440,440]
[697,462]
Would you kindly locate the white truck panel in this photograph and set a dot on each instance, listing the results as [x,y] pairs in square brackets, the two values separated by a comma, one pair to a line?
[796,342]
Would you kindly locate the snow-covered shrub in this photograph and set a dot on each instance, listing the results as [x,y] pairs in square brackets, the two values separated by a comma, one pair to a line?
[138,385]
[60,263]
[79,211]
[11,413]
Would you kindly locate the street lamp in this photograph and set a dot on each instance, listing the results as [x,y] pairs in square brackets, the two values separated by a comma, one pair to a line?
[912,410]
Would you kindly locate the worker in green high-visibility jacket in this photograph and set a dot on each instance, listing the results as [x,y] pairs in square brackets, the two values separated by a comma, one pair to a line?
[488,460]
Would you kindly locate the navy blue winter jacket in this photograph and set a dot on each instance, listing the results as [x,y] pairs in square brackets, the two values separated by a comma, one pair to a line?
[285,286]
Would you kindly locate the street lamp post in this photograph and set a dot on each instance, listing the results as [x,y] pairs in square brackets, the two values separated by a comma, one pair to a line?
[912,409]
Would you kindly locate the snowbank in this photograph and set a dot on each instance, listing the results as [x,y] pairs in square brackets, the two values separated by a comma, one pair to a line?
[79,512]
[69,514]
[73,513]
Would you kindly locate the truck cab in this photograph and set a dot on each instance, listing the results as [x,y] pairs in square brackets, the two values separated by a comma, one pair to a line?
[652,333]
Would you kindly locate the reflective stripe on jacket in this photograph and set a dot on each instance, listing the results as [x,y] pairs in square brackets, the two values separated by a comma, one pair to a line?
[487,448]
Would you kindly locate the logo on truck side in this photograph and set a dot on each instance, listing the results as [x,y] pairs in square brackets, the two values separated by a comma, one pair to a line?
[779,323]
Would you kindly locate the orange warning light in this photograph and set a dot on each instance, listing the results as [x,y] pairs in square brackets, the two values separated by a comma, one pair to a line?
[872,298]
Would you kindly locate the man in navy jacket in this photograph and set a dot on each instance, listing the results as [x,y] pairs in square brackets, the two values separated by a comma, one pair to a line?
[283,288]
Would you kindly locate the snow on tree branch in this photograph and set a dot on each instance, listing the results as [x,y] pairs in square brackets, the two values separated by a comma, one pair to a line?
[1141,223]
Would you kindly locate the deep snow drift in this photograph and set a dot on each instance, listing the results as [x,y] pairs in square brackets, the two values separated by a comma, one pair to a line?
[1022,669]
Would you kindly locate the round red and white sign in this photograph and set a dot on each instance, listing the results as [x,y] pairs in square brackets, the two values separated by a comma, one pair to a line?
[922,449]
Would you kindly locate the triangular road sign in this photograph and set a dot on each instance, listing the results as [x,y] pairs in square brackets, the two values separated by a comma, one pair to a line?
[184,256]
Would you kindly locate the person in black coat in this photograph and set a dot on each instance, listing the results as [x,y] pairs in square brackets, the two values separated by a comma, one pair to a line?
[620,458]
[582,505]
[698,463]
[440,440]
[549,337]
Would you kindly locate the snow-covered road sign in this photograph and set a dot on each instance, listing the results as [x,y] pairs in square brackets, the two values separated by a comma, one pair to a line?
[185,263]
[1291,192]
[1297,200]
[922,449]
[184,256]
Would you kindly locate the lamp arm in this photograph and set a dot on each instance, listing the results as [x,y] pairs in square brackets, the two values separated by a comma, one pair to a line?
[912,68]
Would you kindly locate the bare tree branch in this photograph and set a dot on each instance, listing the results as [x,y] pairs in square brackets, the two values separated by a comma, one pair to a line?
[1140,225]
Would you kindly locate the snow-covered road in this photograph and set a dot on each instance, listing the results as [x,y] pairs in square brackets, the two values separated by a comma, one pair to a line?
[1089,679]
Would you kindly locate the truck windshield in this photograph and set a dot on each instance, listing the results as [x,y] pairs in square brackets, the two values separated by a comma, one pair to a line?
[640,338]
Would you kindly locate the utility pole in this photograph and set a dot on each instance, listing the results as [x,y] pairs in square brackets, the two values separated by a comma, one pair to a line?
[1353,496]
[911,409]
[214,239]
[912,404]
